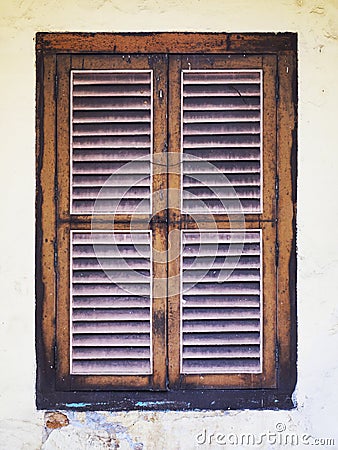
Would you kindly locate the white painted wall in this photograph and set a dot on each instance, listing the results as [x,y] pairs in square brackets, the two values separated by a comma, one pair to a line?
[316,21]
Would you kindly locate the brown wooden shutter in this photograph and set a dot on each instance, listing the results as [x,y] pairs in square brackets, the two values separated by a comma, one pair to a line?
[107,297]
[227,298]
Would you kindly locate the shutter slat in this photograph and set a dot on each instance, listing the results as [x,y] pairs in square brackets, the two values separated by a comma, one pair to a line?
[111,140]
[221,351]
[110,116]
[115,366]
[221,140]
[221,76]
[221,309]
[114,340]
[191,301]
[91,314]
[111,307]
[211,312]
[110,90]
[100,301]
[110,77]
[220,365]
[207,117]
[210,339]
[111,353]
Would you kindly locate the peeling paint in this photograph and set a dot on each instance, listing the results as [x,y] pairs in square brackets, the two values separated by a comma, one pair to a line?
[318,10]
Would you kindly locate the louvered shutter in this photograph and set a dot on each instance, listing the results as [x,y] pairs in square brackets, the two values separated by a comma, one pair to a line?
[226,230]
[111,303]
[111,140]
[221,302]
[221,139]
[107,297]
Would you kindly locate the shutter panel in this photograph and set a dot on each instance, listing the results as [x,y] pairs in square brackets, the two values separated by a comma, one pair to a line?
[111,306]
[111,134]
[221,139]
[221,302]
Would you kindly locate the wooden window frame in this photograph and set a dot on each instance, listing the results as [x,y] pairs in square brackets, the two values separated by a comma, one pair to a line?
[54,387]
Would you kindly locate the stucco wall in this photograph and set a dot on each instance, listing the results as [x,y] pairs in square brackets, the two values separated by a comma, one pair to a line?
[316,21]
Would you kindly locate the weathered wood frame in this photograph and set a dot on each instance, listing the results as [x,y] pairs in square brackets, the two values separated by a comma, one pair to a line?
[275,394]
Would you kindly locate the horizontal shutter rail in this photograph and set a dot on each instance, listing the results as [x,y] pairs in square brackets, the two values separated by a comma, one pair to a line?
[111,302]
[221,139]
[191,193]
[221,308]
[111,140]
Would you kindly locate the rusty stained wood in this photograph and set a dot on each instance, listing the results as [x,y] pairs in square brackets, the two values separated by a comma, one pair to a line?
[166,42]
[287,174]
[45,221]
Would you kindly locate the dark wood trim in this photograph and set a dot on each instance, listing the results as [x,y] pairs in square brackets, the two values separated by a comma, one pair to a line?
[183,400]
[165,42]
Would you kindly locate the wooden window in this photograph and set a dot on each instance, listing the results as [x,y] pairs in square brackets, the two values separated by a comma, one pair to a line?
[166,171]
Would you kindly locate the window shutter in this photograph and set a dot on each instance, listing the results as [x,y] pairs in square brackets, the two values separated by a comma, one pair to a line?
[221,302]
[111,140]
[106,328]
[111,303]
[221,133]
